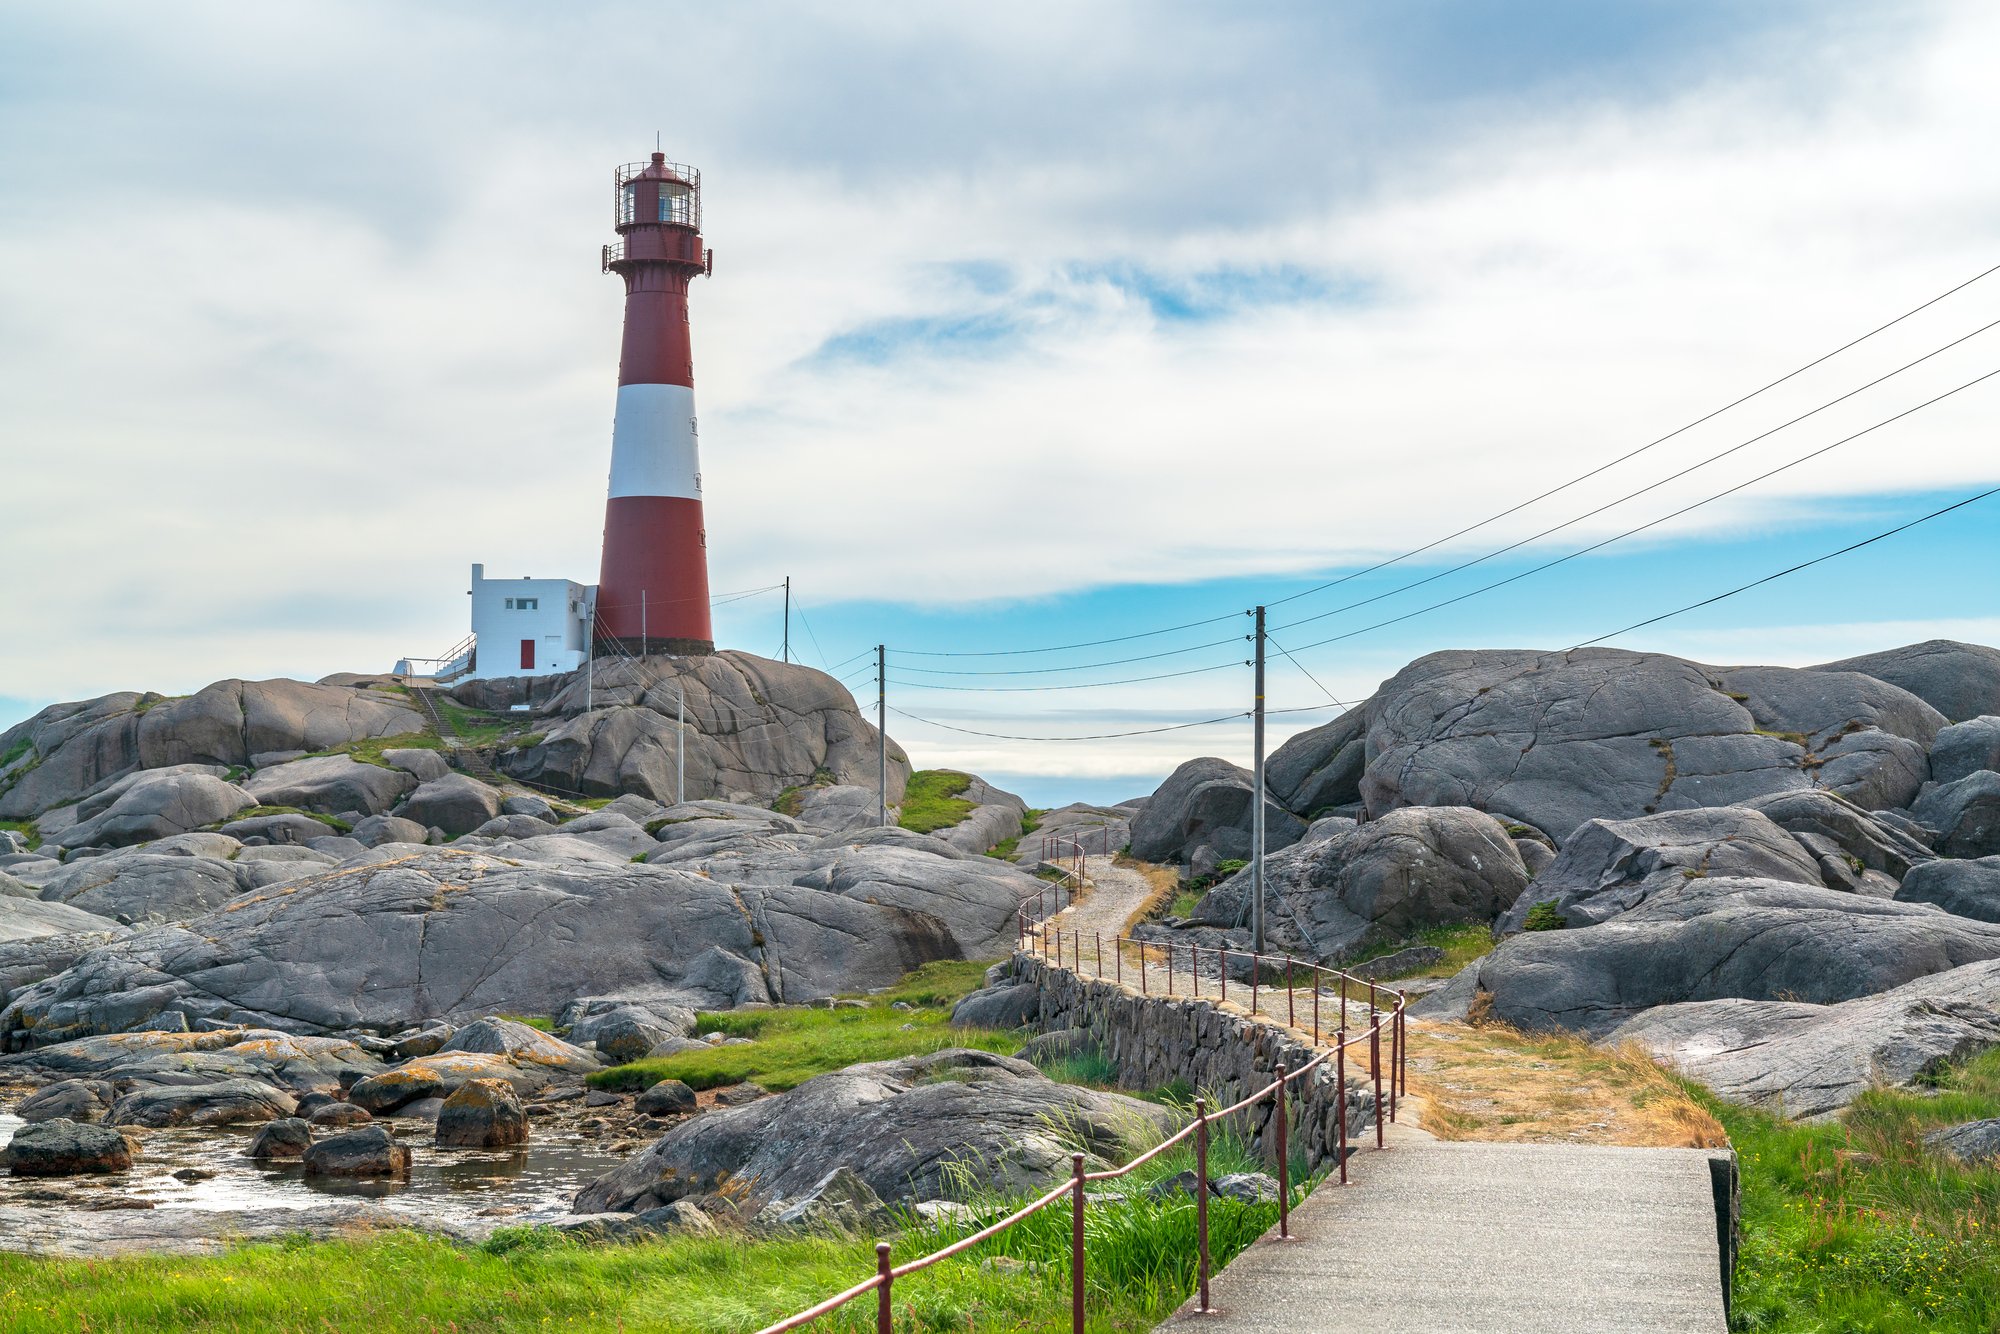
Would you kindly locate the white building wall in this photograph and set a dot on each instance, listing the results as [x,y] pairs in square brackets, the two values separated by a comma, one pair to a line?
[546,621]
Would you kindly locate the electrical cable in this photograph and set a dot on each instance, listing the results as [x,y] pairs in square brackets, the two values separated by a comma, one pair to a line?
[1630,495]
[1347,704]
[1101,736]
[1652,523]
[1082,685]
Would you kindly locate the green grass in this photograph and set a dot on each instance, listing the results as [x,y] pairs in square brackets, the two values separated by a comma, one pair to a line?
[474,726]
[1461,942]
[1141,1266]
[16,751]
[1031,820]
[1851,1225]
[26,829]
[1544,916]
[931,801]
[535,1021]
[370,750]
[791,1044]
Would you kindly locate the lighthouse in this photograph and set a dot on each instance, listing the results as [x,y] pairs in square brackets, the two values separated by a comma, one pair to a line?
[652,594]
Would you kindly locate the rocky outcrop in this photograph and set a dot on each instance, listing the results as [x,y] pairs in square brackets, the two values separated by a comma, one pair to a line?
[1203,814]
[1330,896]
[901,1126]
[448,934]
[370,1151]
[158,806]
[1711,940]
[1965,813]
[1865,840]
[68,1099]
[755,728]
[1968,888]
[29,919]
[1966,748]
[1960,681]
[226,1103]
[334,784]
[1611,866]
[456,803]
[64,1148]
[482,1114]
[288,1137]
[143,886]
[74,749]
[995,817]
[1319,771]
[1810,1060]
[281,1060]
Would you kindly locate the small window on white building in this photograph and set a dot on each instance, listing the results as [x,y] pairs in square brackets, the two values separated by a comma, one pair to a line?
[523,604]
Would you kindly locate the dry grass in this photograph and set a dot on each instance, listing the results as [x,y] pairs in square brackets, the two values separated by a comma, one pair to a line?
[1498,1084]
[1163,882]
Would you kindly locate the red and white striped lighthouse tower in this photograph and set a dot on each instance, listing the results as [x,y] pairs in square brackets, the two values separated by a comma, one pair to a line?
[652,589]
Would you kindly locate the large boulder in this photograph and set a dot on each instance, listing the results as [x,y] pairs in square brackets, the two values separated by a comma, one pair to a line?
[1382,881]
[1712,940]
[1966,748]
[1203,814]
[62,1148]
[330,783]
[456,803]
[142,886]
[1321,769]
[77,748]
[228,1103]
[1960,681]
[1610,866]
[482,1114]
[1809,1060]
[1868,840]
[1966,814]
[28,919]
[1013,1006]
[442,934]
[287,1137]
[994,818]
[440,1076]
[1555,739]
[907,1128]
[298,1065]
[370,1151]
[523,1044]
[68,1099]
[1964,888]
[376,830]
[754,728]
[158,808]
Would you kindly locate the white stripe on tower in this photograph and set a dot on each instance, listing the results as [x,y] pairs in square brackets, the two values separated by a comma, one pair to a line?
[654,442]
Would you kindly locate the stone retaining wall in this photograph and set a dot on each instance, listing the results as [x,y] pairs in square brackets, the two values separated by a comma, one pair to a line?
[1220,1049]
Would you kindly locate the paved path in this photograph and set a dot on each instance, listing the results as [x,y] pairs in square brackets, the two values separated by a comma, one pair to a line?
[1461,1238]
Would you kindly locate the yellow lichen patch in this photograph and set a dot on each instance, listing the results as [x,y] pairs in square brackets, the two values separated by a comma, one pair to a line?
[1495,1083]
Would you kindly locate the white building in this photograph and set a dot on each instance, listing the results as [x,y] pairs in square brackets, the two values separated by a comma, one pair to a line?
[528,627]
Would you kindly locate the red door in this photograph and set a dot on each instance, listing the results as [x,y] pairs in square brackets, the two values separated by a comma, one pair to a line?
[528,654]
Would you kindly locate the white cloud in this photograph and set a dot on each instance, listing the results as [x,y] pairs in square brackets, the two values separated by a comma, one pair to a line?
[298,314]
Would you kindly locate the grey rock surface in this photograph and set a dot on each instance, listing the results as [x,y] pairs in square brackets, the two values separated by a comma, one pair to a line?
[28,919]
[1964,888]
[1378,882]
[226,1103]
[1715,939]
[1976,1143]
[898,1125]
[370,1151]
[1959,680]
[296,1064]
[158,807]
[79,747]
[482,1114]
[755,728]
[1203,814]
[379,829]
[456,803]
[62,1148]
[669,1097]
[31,959]
[143,886]
[1320,769]
[1875,839]
[1811,1060]
[332,784]
[1966,748]
[85,1100]
[287,1137]
[1012,1006]
[1966,814]
[838,807]
[1610,866]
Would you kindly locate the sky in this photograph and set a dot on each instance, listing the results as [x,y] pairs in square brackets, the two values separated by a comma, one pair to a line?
[1030,325]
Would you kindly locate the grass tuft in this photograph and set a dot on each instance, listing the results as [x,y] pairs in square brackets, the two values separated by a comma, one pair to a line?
[931,801]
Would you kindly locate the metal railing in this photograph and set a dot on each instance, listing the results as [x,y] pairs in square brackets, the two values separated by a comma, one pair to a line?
[1047,943]
[1083,843]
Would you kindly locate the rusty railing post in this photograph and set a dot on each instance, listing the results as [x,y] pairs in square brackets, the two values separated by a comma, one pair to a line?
[1375,1064]
[1170,967]
[1097,938]
[1142,968]
[1291,996]
[1403,1050]
[1201,1197]
[884,1308]
[1343,1001]
[1256,962]
[1118,960]
[1316,990]
[1284,1166]
[1076,1245]
[1340,1085]
[1395,1056]
[1222,971]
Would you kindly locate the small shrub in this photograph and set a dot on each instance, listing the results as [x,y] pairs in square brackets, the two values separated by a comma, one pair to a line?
[1545,916]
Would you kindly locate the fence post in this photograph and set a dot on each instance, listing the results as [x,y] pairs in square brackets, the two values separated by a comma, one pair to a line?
[884,1308]
[1098,938]
[1076,1245]
[1291,996]
[1284,1166]
[1201,1197]
[1316,985]
[1222,971]
[1395,1056]
[1117,961]
[1170,967]
[1255,960]
[1340,1084]
[1343,1001]
[1375,1064]
[1142,968]
[1403,1052]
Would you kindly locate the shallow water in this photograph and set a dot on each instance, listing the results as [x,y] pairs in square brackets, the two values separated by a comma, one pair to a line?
[459,1189]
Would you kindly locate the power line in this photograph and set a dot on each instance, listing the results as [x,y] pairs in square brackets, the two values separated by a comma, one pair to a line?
[1802,565]
[1652,523]
[1078,667]
[1101,736]
[1631,495]
[1057,648]
[1272,641]
[1081,685]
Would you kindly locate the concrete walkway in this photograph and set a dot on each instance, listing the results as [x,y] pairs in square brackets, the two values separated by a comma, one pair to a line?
[1461,1238]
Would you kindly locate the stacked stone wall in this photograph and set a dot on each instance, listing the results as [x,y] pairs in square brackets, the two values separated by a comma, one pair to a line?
[1222,1051]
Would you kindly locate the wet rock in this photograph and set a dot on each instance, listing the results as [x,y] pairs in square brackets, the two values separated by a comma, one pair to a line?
[337,1116]
[287,1137]
[81,1100]
[227,1103]
[482,1114]
[896,1124]
[669,1097]
[368,1152]
[61,1148]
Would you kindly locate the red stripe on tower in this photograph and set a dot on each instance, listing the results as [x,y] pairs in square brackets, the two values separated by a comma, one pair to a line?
[652,589]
